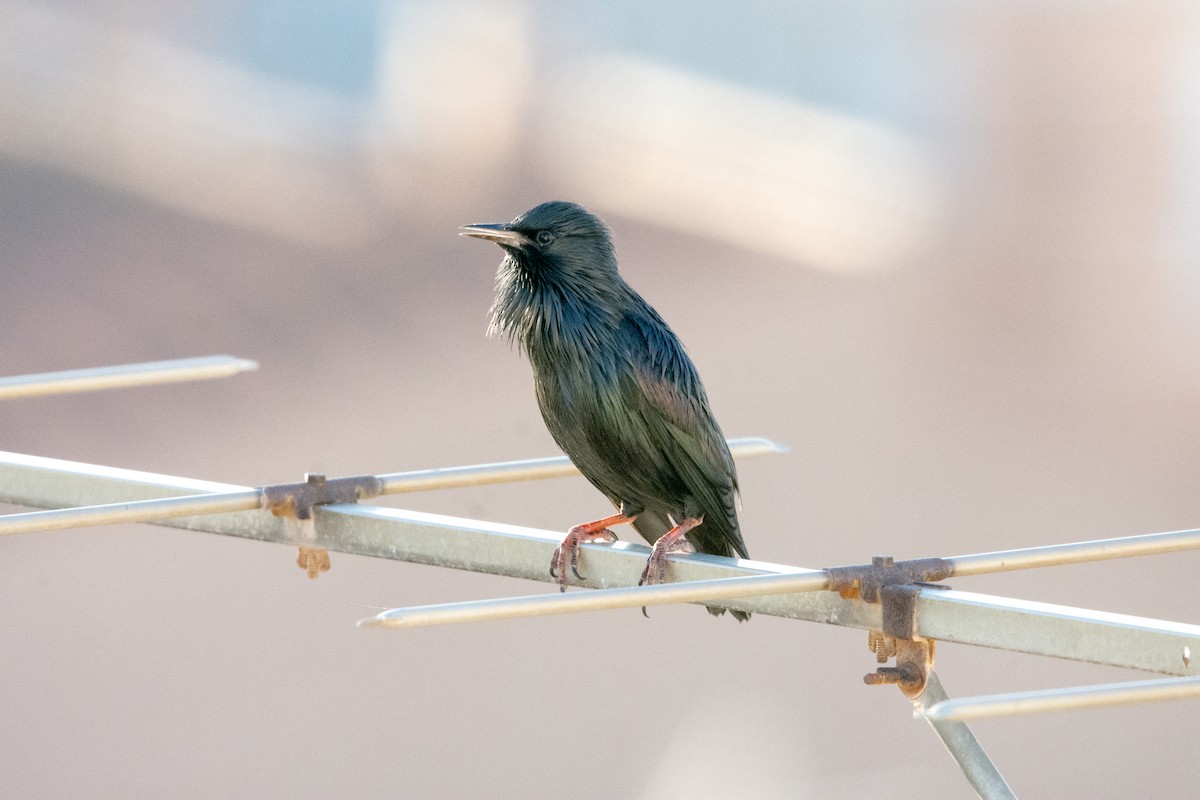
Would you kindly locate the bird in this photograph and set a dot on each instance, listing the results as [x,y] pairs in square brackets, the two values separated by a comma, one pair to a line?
[616,389]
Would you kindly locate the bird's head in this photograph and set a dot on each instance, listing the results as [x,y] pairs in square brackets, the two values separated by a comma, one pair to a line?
[557,242]
[558,283]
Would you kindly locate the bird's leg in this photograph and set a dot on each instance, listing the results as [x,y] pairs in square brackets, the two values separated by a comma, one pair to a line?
[673,541]
[567,553]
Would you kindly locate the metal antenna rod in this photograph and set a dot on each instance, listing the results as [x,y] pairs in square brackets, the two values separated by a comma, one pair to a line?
[942,614]
[135,511]
[251,499]
[963,746]
[763,585]
[123,375]
[418,537]
[1067,699]
[528,470]
[625,597]
[1074,552]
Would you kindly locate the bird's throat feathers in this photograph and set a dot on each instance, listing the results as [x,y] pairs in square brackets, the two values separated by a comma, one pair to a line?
[552,309]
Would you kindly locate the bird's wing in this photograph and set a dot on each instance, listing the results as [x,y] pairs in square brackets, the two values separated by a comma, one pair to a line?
[670,400]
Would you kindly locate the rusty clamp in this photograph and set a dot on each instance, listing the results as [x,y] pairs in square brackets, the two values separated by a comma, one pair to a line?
[297,499]
[895,585]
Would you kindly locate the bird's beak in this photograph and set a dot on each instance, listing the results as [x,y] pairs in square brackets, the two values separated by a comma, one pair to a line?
[501,233]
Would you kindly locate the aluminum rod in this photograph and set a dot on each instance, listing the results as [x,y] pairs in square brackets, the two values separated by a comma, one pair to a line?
[1068,699]
[246,500]
[978,768]
[527,470]
[525,553]
[409,536]
[123,375]
[1075,552]
[1046,629]
[136,511]
[964,617]
[626,597]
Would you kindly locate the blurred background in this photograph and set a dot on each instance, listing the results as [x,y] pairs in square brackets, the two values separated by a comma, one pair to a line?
[946,253]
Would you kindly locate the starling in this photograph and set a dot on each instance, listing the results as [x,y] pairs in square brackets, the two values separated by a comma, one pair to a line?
[616,389]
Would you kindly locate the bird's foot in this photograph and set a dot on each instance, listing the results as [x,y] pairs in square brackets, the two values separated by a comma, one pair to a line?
[313,560]
[671,542]
[567,553]
[656,565]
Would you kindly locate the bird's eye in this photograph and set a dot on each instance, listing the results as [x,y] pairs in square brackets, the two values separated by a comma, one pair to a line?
[544,238]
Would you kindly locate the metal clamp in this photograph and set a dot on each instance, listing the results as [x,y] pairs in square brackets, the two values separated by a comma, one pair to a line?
[914,665]
[297,499]
[914,655]
[895,585]
[866,580]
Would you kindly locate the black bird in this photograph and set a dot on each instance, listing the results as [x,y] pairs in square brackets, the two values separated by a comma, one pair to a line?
[616,389]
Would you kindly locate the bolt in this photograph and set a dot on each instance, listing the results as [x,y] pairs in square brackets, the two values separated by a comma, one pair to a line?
[904,674]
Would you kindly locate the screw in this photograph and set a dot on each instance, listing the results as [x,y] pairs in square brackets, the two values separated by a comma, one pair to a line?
[903,674]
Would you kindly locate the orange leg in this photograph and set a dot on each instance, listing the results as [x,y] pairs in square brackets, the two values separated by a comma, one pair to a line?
[673,541]
[568,551]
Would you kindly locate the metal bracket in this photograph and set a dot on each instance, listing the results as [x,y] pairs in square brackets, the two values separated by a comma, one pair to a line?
[914,665]
[895,585]
[865,580]
[297,499]
[914,655]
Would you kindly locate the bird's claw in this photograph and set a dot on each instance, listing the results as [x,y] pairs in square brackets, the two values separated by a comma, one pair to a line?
[655,570]
[656,566]
[567,553]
